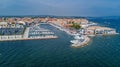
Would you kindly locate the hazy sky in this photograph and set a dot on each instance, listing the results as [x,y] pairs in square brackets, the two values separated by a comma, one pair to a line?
[60,7]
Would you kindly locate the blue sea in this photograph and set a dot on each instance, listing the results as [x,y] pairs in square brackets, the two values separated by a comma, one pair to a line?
[102,51]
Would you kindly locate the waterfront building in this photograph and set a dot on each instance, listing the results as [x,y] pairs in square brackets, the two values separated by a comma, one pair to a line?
[7,28]
[11,25]
[3,24]
[99,30]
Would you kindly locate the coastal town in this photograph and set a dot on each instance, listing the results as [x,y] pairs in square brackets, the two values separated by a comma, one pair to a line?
[28,28]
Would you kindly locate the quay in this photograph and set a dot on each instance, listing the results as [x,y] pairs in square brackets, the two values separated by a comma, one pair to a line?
[36,38]
[61,28]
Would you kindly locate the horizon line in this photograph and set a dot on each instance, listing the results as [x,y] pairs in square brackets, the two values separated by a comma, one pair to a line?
[53,16]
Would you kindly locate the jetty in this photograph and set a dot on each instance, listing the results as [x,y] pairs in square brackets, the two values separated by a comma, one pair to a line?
[81,43]
[61,28]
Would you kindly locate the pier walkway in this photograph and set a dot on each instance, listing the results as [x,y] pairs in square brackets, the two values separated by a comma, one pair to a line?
[26,33]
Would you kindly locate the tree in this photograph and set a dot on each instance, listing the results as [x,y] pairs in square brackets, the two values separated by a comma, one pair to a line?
[75,25]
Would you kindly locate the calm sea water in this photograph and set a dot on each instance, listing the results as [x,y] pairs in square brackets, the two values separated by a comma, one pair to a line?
[103,51]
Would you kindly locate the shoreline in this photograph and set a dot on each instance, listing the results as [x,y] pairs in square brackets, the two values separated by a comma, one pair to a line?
[88,40]
[54,37]
[25,36]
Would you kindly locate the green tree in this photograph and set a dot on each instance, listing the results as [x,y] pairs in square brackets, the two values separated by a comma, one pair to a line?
[75,25]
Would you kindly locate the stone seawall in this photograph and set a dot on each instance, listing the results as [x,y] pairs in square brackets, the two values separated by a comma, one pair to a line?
[14,39]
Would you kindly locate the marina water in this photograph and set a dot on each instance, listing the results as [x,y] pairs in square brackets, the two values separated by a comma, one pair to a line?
[102,51]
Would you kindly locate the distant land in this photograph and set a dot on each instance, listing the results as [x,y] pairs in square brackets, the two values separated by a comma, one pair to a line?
[54,16]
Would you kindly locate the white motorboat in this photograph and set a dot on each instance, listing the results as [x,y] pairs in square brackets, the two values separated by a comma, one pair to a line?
[77,37]
[74,41]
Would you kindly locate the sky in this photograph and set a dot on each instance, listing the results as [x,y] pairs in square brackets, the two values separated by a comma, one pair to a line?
[60,7]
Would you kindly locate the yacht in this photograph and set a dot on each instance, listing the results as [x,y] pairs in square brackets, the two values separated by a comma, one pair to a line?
[77,39]
[74,41]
